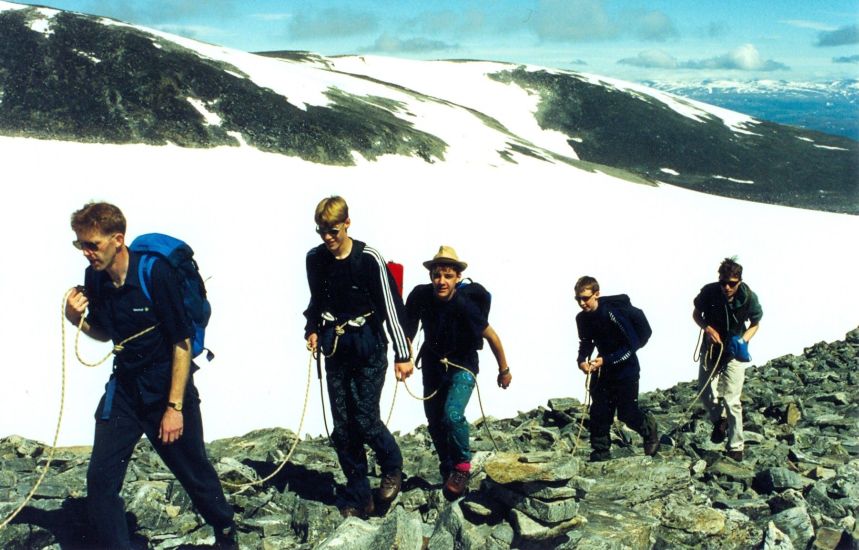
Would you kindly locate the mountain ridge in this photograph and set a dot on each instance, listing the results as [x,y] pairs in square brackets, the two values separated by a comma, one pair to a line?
[82,78]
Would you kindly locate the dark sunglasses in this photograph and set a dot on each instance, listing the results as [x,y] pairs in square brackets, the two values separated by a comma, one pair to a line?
[729,284]
[330,231]
[584,298]
[89,246]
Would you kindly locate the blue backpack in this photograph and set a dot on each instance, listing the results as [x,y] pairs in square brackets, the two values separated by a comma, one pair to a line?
[178,254]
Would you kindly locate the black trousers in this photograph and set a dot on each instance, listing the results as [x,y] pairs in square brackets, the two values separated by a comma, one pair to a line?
[115,440]
[621,397]
[355,383]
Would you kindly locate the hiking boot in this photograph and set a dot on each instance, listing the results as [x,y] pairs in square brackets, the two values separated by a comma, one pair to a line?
[227,538]
[651,446]
[389,487]
[600,456]
[456,484]
[736,454]
[362,512]
[720,431]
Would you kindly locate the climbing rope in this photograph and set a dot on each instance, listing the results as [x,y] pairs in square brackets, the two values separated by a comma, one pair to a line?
[585,408]
[340,330]
[447,363]
[294,443]
[713,370]
[53,448]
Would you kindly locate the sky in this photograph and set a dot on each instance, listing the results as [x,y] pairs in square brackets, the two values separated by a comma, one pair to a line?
[666,40]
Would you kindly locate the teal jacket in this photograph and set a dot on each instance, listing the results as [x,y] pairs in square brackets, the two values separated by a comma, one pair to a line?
[728,318]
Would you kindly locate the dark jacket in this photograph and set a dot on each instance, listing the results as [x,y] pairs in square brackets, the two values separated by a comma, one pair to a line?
[728,318]
[453,329]
[359,285]
[144,365]
[617,329]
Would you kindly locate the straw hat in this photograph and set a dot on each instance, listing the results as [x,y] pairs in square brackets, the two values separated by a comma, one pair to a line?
[446,255]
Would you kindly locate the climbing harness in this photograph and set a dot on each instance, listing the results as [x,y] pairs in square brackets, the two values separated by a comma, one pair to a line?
[340,330]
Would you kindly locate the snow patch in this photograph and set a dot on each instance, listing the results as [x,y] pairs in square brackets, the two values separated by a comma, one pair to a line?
[239,137]
[805,139]
[43,24]
[7,6]
[689,108]
[830,147]
[669,171]
[86,55]
[735,180]
[212,119]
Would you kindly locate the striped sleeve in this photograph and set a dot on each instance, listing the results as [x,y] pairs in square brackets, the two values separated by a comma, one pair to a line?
[388,302]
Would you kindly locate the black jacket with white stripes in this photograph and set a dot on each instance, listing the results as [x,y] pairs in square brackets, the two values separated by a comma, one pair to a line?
[355,286]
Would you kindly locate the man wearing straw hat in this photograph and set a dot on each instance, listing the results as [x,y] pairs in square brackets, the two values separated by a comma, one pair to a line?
[454,315]
[351,294]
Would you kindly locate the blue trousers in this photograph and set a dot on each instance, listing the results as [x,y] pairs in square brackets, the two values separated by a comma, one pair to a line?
[445,412]
[354,389]
[115,439]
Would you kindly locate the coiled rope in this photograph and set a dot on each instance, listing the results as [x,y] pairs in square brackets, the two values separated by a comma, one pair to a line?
[585,409]
[53,447]
[696,356]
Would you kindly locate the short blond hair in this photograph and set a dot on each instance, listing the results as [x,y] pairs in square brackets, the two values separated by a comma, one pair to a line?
[331,211]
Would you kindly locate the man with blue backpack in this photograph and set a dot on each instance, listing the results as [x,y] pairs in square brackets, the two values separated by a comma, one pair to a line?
[454,314]
[144,304]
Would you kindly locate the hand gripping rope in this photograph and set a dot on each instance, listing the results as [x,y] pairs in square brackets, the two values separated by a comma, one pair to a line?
[447,364]
[116,349]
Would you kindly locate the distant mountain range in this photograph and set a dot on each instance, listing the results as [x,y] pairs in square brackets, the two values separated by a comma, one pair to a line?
[831,107]
[69,76]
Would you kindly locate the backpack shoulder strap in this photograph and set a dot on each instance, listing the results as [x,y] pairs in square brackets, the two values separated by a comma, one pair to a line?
[144,273]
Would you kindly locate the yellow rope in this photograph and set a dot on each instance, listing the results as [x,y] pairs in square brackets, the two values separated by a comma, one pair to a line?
[713,371]
[294,443]
[53,448]
[116,348]
[585,408]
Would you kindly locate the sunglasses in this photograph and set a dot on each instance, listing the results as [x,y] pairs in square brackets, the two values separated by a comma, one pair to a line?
[330,231]
[89,246]
[729,284]
[584,299]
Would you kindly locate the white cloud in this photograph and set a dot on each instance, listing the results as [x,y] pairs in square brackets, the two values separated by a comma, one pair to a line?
[804,24]
[653,59]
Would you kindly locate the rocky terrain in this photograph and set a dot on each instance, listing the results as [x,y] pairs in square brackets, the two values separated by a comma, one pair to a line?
[798,486]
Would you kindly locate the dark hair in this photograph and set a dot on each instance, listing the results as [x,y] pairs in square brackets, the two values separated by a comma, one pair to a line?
[730,268]
[101,216]
[587,282]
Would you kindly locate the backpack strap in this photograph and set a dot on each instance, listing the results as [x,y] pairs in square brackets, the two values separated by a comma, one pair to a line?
[144,273]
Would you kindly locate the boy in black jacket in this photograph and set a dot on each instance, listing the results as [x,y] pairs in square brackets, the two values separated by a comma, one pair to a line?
[617,329]
[352,296]
[454,315]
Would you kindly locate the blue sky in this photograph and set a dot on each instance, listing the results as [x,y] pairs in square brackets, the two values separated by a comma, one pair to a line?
[660,40]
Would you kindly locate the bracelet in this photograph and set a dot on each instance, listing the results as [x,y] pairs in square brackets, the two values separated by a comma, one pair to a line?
[504,372]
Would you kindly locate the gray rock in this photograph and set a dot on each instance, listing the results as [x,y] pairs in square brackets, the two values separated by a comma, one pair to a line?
[400,530]
[506,468]
[774,539]
[796,524]
[779,479]
[352,534]
[532,530]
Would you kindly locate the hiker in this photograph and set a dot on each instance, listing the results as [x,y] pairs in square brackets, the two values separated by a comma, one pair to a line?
[722,311]
[454,316]
[617,329]
[351,295]
[151,389]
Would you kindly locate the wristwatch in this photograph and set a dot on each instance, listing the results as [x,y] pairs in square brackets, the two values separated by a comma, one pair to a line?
[177,405]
